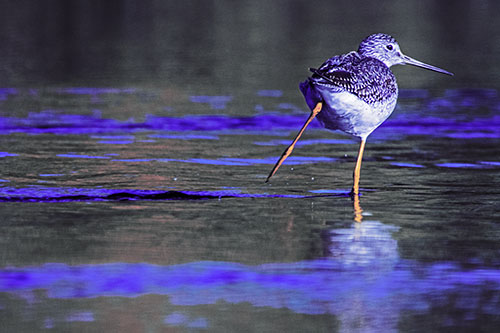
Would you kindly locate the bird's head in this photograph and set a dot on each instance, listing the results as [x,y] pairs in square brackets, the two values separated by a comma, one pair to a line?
[386,49]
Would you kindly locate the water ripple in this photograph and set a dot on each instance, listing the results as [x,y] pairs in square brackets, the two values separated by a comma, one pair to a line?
[69,194]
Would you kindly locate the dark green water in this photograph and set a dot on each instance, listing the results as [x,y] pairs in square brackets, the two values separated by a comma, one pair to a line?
[133,165]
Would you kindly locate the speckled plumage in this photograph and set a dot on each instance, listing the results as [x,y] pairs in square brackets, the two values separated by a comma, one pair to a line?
[367,78]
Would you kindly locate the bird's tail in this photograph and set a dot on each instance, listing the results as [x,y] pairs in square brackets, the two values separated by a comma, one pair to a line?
[310,94]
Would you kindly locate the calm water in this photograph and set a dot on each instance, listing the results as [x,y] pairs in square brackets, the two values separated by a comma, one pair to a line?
[167,212]
[133,200]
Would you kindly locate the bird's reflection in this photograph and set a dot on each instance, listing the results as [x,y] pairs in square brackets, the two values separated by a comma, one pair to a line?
[361,280]
[358,211]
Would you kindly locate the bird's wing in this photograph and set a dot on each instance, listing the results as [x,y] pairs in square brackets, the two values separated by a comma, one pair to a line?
[368,78]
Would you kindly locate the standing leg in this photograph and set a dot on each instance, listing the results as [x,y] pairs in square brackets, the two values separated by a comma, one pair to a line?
[289,150]
[357,169]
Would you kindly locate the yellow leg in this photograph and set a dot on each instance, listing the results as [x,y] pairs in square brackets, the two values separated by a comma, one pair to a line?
[357,169]
[289,150]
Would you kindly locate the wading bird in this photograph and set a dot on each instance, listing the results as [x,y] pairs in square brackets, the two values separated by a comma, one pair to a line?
[355,92]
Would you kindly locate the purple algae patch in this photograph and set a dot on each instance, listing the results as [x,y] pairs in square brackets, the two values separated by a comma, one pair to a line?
[113,137]
[215,102]
[84,316]
[134,160]
[184,136]
[5,154]
[82,156]
[304,142]
[95,91]
[269,93]
[448,124]
[298,286]
[461,165]
[413,93]
[116,142]
[473,135]
[491,163]
[208,161]
[176,319]
[5,92]
[330,191]
[407,165]
[54,122]
[411,124]
[292,160]
[267,123]
[69,194]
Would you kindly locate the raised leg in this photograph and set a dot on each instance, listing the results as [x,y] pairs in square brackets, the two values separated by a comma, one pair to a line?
[289,150]
[357,169]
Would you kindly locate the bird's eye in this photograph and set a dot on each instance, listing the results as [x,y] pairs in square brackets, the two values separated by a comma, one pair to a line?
[389,47]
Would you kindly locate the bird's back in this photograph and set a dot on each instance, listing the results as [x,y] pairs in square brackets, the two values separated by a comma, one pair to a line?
[367,78]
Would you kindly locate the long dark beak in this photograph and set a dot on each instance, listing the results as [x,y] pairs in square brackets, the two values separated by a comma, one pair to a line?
[411,61]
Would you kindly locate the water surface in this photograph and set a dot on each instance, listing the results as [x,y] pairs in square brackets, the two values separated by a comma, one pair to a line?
[134,146]
[168,211]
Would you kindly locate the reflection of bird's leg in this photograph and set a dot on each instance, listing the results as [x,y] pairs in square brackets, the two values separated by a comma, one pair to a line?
[357,169]
[289,150]
[358,212]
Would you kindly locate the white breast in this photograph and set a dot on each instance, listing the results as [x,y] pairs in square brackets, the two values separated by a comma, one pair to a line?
[346,112]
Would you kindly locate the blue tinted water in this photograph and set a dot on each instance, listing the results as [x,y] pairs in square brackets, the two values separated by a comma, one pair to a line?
[99,209]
